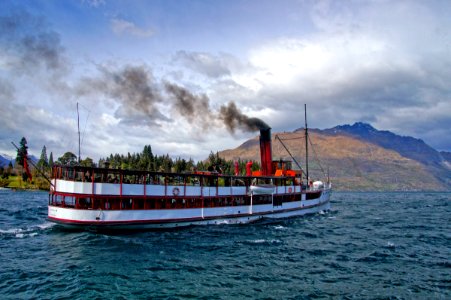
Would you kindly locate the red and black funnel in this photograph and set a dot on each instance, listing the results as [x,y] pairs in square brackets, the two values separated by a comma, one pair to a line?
[266,151]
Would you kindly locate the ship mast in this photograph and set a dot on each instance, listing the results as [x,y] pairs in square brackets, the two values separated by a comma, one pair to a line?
[78,125]
[306,143]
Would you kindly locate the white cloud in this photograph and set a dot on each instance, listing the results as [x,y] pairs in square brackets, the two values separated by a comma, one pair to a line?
[364,64]
[207,64]
[382,62]
[121,27]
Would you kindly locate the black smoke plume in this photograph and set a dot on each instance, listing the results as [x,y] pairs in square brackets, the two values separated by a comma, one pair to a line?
[195,108]
[138,93]
[27,42]
[133,87]
[233,118]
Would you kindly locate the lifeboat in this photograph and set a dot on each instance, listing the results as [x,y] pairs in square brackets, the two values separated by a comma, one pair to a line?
[262,189]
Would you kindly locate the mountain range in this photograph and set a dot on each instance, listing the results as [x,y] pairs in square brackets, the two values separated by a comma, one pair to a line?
[360,157]
[6,159]
[356,158]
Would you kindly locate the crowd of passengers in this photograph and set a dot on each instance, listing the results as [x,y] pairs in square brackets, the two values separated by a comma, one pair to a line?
[167,179]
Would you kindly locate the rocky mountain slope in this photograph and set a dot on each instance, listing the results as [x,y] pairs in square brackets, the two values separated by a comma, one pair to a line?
[446,156]
[5,160]
[360,157]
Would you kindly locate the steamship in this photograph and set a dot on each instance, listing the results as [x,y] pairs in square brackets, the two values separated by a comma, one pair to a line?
[110,199]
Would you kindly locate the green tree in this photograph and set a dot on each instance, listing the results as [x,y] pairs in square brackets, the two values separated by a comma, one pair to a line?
[68,158]
[51,160]
[146,159]
[87,162]
[216,163]
[180,165]
[190,165]
[43,161]
[200,166]
[22,152]
[166,164]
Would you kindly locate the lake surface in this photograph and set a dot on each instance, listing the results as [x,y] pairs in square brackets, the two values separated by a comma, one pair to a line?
[369,246]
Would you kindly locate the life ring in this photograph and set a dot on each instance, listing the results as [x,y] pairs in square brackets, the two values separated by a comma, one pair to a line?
[176,191]
[290,190]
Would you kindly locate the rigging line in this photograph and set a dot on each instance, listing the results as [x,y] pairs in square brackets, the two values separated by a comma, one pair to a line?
[86,123]
[295,138]
[290,133]
[290,138]
[83,106]
[84,129]
[302,170]
[316,157]
[315,169]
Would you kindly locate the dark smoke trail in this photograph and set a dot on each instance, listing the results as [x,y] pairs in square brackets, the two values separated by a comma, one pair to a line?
[133,87]
[27,42]
[197,109]
[193,108]
[233,118]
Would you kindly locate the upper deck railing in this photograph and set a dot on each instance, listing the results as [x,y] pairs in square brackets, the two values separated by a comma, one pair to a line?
[103,181]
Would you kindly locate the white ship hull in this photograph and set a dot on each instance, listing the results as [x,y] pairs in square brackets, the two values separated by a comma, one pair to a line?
[104,198]
[170,218]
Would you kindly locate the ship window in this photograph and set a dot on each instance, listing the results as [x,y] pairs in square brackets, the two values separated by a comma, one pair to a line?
[126,203]
[95,204]
[237,182]
[169,180]
[179,180]
[261,199]
[151,203]
[158,179]
[278,200]
[313,195]
[227,181]
[138,204]
[193,180]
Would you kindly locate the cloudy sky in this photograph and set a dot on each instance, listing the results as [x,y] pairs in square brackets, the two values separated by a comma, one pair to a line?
[169,73]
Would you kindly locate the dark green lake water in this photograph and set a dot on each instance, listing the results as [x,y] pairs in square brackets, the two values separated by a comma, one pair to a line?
[369,246]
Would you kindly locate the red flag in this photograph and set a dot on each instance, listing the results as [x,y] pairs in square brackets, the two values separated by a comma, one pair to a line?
[27,170]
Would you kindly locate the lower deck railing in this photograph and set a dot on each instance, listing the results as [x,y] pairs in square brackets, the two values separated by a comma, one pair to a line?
[175,202]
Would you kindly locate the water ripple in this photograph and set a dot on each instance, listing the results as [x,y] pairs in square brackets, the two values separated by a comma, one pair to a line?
[355,251]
